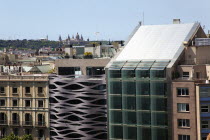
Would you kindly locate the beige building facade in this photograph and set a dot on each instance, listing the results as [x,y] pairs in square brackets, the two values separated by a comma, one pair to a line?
[24,106]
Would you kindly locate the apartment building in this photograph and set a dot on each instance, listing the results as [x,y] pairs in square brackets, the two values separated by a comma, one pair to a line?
[158,85]
[24,106]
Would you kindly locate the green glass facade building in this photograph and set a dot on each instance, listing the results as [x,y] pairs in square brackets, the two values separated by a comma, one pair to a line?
[137,95]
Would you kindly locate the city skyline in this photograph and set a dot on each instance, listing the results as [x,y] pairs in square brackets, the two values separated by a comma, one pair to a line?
[113,20]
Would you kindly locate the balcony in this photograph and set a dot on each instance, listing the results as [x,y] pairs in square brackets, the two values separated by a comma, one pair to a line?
[3,122]
[27,123]
[40,124]
[15,122]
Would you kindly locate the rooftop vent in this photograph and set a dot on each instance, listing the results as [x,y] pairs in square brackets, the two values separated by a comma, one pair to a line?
[176,21]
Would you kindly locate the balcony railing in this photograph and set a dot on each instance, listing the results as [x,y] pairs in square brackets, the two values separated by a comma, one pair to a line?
[40,123]
[3,122]
[26,123]
[15,122]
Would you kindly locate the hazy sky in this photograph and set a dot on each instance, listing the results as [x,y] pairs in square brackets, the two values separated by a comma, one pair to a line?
[113,19]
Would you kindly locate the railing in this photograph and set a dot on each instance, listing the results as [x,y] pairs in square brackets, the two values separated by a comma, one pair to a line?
[3,122]
[3,77]
[15,122]
[40,123]
[27,123]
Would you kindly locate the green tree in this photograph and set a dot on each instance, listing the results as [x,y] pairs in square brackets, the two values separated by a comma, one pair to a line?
[13,137]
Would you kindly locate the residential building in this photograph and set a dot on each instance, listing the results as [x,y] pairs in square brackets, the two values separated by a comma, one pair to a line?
[157,86]
[24,106]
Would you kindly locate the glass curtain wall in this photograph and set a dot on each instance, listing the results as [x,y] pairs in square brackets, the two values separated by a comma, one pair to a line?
[137,100]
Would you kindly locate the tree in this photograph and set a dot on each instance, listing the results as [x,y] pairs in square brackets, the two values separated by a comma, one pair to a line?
[13,137]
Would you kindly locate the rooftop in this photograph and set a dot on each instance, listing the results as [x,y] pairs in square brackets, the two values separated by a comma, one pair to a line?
[158,42]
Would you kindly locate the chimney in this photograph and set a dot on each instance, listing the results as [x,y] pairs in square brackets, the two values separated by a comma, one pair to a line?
[176,21]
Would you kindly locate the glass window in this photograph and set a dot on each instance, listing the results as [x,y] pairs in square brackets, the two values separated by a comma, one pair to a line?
[144,132]
[15,102]
[115,117]
[144,118]
[204,124]
[185,74]
[204,108]
[159,119]
[115,87]
[158,133]
[2,90]
[15,131]
[116,132]
[183,137]
[14,90]
[182,92]
[129,133]
[27,90]
[183,107]
[156,74]
[129,102]
[27,103]
[115,102]
[128,73]
[40,103]
[143,103]
[142,87]
[204,91]
[142,73]
[115,73]
[40,90]
[69,70]
[158,104]
[129,117]
[183,123]
[129,88]
[95,70]
[2,102]
[157,88]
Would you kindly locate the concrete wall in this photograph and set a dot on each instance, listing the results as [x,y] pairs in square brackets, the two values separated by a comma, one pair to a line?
[82,63]
[191,99]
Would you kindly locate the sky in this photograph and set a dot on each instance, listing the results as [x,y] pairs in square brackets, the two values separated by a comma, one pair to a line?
[94,19]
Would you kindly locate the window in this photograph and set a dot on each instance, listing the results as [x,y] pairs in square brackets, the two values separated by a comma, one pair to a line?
[40,90]
[15,102]
[27,103]
[204,109]
[15,131]
[183,107]
[1,90]
[27,131]
[183,123]
[185,74]
[3,118]
[41,134]
[14,90]
[205,91]
[2,102]
[40,103]
[184,137]
[95,70]
[27,90]
[182,92]
[2,132]
[204,124]
[15,118]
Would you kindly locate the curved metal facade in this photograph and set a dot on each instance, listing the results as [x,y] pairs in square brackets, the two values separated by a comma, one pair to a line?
[78,108]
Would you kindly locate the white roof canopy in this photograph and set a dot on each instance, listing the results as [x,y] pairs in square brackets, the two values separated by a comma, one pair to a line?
[158,42]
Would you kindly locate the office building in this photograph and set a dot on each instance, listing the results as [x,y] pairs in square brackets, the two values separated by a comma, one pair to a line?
[158,85]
